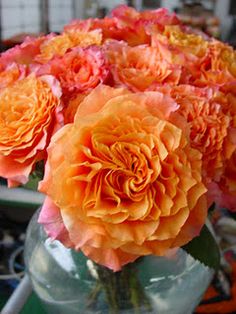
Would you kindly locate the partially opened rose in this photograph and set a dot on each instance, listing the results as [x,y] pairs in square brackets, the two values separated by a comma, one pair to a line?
[210,117]
[126,24]
[28,118]
[112,28]
[178,46]
[223,193]
[218,65]
[140,68]
[79,70]
[188,42]
[129,16]
[57,45]
[123,178]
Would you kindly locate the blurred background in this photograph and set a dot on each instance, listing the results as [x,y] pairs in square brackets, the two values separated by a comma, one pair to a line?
[33,17]
[20,18]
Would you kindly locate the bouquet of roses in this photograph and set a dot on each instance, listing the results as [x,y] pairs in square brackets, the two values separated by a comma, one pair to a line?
[131,118]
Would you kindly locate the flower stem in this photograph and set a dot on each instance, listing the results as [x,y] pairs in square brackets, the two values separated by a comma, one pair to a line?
[123,290]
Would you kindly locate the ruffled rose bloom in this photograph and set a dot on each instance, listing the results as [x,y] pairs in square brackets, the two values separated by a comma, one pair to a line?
[189,43]
[126,24]
[135,26]
[27,120]
[85,38]
[140,68]
[110,28]
[106,27]
[212,127]
[58,45]
[129,16]
[79,70]
[223,193]
[124,180]
[180,47]
[218,65]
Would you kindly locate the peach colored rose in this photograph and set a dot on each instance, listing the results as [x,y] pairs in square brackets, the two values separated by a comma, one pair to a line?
[58,45]
[218,65]
[79,70]
[85,39]
[129,16]
[28,117]
[189,43]
[223,193]
[124,178]
[55,46]
[176,57]
[179,46]
[136,26]
[140,68]
[160,16]
[228,184]
[134,35]
[210,117]
[110,29]
[106,26]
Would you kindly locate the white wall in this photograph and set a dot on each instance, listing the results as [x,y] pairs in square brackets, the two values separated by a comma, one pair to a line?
[60,13]
[19,16]
[24,15]
[170,4]
[110,4]
[222,9]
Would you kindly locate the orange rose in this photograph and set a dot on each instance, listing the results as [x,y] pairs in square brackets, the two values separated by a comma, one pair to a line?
[105,27]
[27,119]
[210,117]
[135,26]
[134,35]
[124,178]
[218,66]
[189,43]
[110,29]
[223,193]
[58,45]
[85,39]
[79,70]
[160,16]
[179,47]
[129,16]
[140,68]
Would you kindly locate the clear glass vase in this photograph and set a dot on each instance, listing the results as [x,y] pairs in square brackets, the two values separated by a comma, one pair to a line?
[67,282]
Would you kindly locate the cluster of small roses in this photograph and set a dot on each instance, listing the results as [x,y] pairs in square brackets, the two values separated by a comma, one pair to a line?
[135,116]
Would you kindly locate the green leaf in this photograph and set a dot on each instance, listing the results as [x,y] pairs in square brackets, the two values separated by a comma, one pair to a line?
[204,249]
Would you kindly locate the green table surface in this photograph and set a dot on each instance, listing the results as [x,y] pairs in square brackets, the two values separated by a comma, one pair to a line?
[33,306]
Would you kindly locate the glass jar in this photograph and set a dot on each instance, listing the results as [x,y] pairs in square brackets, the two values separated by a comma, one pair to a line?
[67,282]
